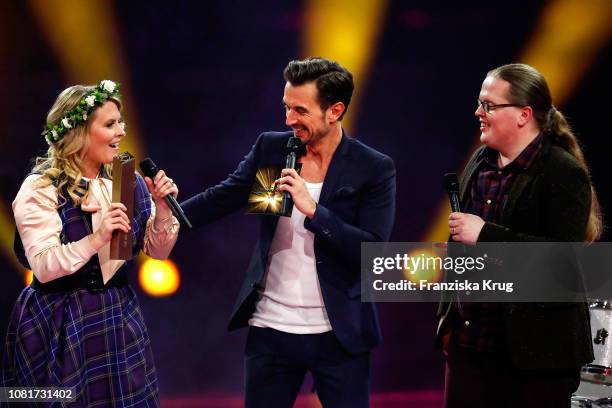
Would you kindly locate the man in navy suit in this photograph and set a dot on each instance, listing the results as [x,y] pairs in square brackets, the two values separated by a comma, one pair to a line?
[302,294]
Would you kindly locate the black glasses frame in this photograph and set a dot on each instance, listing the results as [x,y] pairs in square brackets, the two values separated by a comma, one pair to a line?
[488,106]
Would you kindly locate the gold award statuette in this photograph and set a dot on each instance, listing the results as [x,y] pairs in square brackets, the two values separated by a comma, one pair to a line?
[124,167]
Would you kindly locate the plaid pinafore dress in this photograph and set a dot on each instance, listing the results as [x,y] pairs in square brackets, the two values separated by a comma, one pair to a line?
[81,333]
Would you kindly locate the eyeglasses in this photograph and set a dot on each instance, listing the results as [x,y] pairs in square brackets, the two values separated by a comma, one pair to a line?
[488,106]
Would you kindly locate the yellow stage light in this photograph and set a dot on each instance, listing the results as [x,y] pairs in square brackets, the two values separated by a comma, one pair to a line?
[7,234]
[430,267]
[159,278]
[346,31]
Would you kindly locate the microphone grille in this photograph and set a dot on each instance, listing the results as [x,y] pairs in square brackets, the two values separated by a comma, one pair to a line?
[451,182]
[148,168]
[294,143]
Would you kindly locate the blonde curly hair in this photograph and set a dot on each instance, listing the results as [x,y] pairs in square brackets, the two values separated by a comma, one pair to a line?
[61,165]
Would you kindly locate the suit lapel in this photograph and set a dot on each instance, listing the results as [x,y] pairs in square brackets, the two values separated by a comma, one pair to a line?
[335,170]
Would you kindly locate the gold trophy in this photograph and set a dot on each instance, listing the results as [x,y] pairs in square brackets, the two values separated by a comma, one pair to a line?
[124,167]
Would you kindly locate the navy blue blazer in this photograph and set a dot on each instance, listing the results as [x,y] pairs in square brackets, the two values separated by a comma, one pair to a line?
[357,204]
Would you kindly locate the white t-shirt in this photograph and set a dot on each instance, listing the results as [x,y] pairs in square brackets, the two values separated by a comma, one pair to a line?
[291,300]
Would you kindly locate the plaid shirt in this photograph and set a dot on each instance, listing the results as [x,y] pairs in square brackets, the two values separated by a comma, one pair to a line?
[480,325]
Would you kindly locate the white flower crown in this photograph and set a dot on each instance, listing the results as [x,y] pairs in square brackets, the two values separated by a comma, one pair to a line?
[78,115]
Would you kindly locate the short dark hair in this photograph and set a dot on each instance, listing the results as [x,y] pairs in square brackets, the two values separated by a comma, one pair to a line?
[334,82]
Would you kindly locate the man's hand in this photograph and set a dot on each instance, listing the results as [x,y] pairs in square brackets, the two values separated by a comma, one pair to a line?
[292,182]
[465,227]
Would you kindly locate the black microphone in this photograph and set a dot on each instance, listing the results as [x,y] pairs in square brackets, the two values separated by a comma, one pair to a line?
[294,148]
[451,182]
[149,169]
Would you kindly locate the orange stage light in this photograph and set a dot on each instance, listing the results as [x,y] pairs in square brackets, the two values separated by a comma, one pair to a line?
[159,278]
[28,276]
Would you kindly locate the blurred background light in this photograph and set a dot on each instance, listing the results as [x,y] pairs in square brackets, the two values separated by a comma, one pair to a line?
[159,278]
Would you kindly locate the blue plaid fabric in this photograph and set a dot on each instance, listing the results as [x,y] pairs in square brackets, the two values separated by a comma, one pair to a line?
[76,224]
[95,342]
[486,198]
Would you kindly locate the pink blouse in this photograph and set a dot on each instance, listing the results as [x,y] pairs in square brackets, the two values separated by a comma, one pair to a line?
[39,227]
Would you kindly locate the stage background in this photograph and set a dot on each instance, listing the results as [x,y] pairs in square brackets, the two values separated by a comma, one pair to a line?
[203,79]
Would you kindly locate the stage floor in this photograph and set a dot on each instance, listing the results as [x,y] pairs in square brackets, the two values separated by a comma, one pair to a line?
[416,399]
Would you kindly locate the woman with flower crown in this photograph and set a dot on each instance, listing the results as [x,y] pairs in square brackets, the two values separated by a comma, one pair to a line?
[78,324]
